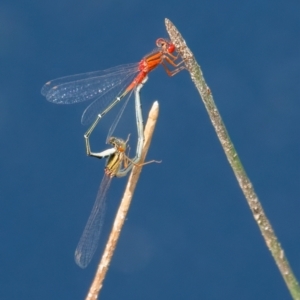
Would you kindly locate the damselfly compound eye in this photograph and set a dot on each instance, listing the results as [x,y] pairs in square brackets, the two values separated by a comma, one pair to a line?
[171,48]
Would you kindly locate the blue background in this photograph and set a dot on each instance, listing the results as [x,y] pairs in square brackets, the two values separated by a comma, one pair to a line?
[189,232]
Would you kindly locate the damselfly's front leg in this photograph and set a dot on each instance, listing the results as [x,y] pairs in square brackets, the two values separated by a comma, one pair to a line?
[169,58]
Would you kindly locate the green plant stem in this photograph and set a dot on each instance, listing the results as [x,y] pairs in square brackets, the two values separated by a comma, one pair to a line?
[233,158]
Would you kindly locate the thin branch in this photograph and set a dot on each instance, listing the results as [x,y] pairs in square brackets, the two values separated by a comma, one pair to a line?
[123,208]
[232,156]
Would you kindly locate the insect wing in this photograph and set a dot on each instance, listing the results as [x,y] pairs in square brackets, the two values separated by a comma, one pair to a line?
[104,100]
[87,86]
[89,240]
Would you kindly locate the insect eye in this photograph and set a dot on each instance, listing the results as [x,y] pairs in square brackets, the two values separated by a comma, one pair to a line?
[171,48]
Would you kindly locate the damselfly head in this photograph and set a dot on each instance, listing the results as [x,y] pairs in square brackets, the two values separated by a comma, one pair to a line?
[119,144]
[171,48]
[166,45]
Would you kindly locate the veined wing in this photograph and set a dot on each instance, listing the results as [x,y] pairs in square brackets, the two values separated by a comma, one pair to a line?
[119,115]
[104,100]
[87,86]
[89,240]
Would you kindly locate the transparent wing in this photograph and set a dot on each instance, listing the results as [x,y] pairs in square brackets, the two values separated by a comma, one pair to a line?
[87,86]
[104,100]
[89,240]
[118,117]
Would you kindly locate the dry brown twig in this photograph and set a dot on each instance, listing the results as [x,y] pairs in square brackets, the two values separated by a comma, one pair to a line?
[123,208]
